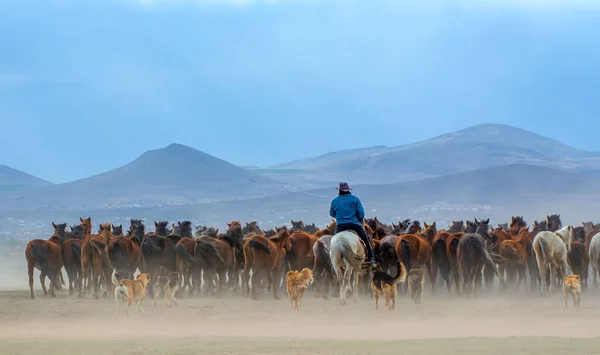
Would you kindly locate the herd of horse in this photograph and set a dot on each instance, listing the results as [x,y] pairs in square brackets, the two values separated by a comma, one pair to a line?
[253,260]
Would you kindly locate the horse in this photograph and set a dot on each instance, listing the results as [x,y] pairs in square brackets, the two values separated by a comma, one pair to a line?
[215,257]
[71,254]
[514,258]
[414,249]
[517,223]
[594,257]
[235,237]
[252,228]
[439,258]
[578,260]
[158,252]
[452,252]
[347,255]
[472,254]
[380,230]
[95,263]
[323,271]
[551,250]
[265,255]
[124,253]
[46,256]
[300,255]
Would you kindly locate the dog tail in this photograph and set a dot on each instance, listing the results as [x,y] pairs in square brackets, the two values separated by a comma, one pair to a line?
[306,276]
[115,278]
[254,244]
[401,275]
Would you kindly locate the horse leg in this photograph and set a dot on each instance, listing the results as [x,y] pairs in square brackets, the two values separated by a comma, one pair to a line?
[255,283]
[479,275]
[221,272]
[275,277]
[246,281]
[356,285]
[30,268]
[432,275]
[43,282]
[542,267]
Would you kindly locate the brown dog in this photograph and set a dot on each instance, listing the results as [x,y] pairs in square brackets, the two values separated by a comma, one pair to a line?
[416,283]
[169,285]
[132,290]
[384,285]
[572,286]
[296,285]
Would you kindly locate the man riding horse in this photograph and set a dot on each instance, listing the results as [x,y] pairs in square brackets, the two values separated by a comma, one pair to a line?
[349,214]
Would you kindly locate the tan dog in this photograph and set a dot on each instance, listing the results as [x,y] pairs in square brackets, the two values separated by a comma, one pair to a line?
[384,285]
[296,285]
[572,286]
[416,283]
[132,290]
[169,285]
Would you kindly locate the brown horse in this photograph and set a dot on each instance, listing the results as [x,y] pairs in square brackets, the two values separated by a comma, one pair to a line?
[185,262]
[215,257]
[514,258]
[516,224]
[301,253]
[265,255]
[380,230]
[329,230]
[72,257]
[46,256]
[414,249]
[95,263]
[87,225]
[323,272]
[496,237]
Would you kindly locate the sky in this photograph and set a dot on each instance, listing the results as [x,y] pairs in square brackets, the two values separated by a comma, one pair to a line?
[87,86]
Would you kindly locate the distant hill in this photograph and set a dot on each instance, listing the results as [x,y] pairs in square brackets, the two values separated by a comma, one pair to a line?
[476,147]
[15,180]
[174,174]
[498,192]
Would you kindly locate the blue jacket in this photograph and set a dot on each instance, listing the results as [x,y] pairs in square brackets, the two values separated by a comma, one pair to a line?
[347,209]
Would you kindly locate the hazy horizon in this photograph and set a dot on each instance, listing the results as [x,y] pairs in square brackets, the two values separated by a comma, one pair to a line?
[87,87]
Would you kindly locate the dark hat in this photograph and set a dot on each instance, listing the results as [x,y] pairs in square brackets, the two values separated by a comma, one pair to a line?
[344,187]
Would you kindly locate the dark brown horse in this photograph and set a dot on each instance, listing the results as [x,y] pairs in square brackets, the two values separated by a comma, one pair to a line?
[158,251]
[579,261]
[472,255]
[214,257]
[439,258]
[252,228]
[452,253]
[262,255]
[323,272]
[72,257]
[125,254]
[380,230]
[46,256]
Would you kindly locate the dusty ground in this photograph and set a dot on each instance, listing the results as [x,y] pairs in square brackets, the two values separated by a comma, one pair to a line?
[491,324]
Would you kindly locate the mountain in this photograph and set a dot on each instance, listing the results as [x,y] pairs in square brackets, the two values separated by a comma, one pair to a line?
[498,193]
[15,180]
[174,174]
[472,148]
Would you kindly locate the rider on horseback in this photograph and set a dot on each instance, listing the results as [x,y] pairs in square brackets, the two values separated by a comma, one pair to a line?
[349,213]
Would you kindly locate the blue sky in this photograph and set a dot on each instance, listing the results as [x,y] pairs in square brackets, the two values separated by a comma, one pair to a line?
[86,86]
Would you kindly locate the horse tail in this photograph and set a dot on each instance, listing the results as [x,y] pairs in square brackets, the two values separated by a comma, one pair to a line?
[354,259]
[183,253]
[439,250]
[40,259]
[488,260]
[254,244]
[207,252]
[406,253]
[323,257]
[401,275]
[230,240]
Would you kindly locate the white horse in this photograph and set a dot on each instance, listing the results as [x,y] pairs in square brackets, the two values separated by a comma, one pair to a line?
[551,250]
[348,254]
[594,254]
